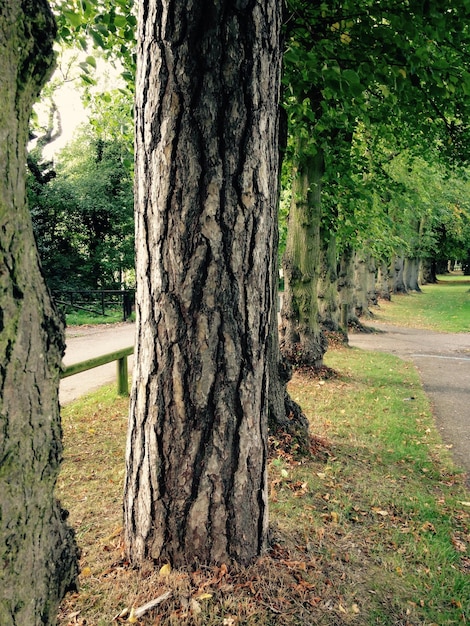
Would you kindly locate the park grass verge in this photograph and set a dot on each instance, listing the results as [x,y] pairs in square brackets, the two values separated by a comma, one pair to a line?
[443,307]
[373,529]
[85,318]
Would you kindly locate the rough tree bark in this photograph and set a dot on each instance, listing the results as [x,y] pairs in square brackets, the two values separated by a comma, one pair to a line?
[328,301]
[411,268]
[346,281]
[302,339]
[384,282]
[37,548]
[364,292]
[206,200]
[398,281]
[428,272]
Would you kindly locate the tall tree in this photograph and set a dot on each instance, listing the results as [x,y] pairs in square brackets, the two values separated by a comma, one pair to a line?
[37,548]
[351,61]
[206,201]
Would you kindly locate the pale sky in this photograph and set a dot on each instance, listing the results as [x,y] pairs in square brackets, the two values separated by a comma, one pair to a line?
[68,99]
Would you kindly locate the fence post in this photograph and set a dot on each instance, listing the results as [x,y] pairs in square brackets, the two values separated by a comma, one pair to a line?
[122,376]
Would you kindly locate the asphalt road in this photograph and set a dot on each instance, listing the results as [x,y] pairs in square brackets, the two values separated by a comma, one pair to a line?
[86,342]
[443,362]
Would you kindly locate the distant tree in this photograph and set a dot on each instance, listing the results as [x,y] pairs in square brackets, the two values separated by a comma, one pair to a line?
[38,554]
[82,205]
[348,63]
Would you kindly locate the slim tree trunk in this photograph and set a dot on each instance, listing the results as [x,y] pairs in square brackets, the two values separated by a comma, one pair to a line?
[302,339]
[206,200]
[37,549]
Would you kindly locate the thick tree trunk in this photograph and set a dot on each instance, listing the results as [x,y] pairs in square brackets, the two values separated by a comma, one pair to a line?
[384,282]
[398,280]
[328,302]
[364,293]
[206,200]
[284,414]
[428,272]
[37,549]
[346,283]
[302,339]
[411,274]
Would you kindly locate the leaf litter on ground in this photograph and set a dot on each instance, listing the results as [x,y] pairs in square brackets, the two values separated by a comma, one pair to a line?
[359,532]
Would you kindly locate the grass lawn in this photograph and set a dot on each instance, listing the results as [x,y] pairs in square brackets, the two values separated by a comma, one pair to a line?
[373,529]
[443,307]
[82,318]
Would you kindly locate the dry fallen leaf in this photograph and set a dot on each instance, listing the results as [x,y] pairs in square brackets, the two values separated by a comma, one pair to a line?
[459,545]
[428,527]
[165,570]
[380,511]
[195,607]
[204,596]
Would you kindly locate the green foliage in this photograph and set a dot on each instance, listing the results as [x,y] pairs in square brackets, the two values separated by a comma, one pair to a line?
[105,25]
[83,215]
[366,81]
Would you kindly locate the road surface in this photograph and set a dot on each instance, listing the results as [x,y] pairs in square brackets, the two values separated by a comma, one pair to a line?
[86,342]
[443,362]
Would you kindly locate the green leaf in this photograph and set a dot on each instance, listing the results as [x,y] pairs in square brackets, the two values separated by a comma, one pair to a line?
[97,39]
[74,19]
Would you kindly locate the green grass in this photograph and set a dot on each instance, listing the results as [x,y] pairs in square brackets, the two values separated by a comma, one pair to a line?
[374,529]
[82,318]
[443,307]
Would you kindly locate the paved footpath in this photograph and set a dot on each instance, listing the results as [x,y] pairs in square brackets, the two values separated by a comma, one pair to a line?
[443,362]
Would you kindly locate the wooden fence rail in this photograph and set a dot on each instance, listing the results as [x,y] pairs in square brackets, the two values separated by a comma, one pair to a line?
[122,372]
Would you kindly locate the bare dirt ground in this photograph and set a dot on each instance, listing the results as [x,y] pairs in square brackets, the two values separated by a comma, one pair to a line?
[443,362]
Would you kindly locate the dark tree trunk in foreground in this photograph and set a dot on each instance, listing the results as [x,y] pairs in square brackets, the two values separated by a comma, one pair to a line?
[37,549]
[206,200]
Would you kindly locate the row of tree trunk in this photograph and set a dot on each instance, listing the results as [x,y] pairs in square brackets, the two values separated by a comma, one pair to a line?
[321,285]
